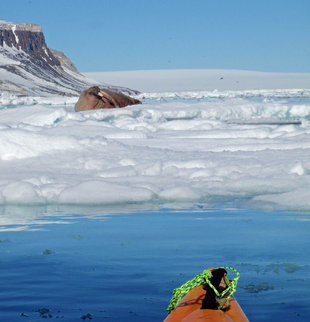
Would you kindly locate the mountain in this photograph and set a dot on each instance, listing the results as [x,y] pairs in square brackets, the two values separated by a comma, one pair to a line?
[29,67]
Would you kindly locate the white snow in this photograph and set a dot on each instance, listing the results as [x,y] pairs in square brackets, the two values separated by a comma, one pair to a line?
[16,37]
[176,148]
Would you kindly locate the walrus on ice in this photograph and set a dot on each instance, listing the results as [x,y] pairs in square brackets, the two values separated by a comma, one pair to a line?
[95,98]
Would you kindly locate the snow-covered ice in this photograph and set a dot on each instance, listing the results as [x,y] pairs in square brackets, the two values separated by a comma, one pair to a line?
[177,147]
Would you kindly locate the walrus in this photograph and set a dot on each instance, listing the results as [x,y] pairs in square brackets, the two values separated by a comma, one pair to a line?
[94,98]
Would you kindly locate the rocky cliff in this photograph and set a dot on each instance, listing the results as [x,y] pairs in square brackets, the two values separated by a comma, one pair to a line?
[29,67]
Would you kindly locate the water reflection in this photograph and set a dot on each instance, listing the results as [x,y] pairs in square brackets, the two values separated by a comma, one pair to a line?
[23,218]
[32,218]
[17,218]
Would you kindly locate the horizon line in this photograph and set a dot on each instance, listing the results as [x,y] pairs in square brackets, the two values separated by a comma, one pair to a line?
[193,69]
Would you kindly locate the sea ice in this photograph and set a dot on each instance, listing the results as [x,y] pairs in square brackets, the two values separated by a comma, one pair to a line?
[176,147]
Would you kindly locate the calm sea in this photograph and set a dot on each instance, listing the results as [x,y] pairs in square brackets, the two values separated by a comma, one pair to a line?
[75,264]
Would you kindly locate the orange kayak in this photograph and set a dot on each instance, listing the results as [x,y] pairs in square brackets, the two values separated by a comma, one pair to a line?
[197,305]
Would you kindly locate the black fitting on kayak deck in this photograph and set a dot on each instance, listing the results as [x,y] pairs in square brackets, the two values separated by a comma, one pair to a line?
[210,302]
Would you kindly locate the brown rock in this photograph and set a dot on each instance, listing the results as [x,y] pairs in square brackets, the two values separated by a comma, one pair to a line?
[94,98]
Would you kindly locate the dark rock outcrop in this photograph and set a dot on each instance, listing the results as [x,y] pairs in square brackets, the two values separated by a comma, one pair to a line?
[29,39]
[95,98]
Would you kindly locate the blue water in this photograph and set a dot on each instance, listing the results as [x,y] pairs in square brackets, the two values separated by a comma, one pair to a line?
[93,263]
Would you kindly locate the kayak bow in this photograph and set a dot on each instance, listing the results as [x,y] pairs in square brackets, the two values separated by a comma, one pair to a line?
[208,298]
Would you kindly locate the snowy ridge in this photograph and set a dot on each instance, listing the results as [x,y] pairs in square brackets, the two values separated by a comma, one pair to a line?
[161,152]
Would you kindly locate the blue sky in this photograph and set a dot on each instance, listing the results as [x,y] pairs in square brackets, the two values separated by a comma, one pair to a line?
[111,35]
